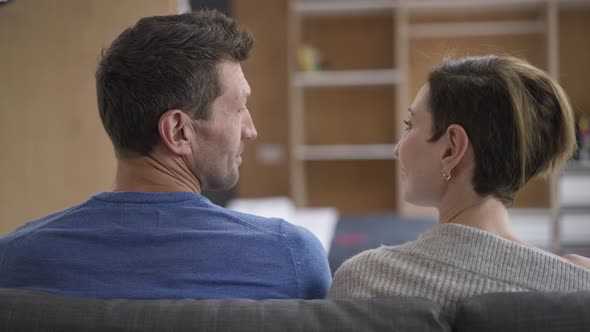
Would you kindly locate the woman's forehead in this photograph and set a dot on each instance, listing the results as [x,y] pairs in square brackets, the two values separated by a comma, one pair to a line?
[420,102]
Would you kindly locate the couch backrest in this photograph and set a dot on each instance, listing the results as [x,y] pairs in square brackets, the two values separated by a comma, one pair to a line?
[31,311]
[529,311]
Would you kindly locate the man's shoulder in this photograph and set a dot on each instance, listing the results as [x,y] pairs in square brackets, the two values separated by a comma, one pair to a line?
[274,225]
[294,234]
[38,223]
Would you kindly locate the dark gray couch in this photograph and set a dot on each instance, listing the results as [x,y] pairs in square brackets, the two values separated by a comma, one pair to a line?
[31,311]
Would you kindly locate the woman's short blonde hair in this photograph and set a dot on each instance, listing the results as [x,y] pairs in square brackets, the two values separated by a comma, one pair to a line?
[519,120]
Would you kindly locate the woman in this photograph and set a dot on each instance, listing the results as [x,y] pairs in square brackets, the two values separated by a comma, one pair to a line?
[479,130]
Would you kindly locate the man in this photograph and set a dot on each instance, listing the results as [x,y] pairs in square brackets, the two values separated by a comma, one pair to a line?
[172,98]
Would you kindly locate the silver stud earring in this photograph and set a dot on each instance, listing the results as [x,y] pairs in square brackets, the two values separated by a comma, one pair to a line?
[446,176]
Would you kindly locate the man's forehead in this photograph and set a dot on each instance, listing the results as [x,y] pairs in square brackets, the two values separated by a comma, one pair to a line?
[233,83]
[242,90]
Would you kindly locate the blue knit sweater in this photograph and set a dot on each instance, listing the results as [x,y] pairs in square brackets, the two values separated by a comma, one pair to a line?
[163,245]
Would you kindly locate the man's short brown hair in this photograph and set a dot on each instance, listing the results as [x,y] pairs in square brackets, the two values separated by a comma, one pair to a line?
[163,63]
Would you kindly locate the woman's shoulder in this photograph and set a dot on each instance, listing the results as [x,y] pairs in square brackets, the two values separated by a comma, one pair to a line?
[373,258]
[578,260]
[370,273]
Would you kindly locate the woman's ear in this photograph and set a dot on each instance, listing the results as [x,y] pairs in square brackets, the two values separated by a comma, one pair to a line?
[456,143]
[175,131]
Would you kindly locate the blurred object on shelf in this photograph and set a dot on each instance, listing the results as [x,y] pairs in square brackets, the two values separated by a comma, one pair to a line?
[309,58]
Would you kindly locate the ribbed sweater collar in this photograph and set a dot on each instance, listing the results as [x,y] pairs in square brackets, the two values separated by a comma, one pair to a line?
[149,197]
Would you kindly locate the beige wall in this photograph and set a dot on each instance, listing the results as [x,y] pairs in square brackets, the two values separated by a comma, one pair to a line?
[54,150]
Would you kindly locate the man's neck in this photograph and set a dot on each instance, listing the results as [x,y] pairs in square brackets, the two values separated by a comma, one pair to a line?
[152,174]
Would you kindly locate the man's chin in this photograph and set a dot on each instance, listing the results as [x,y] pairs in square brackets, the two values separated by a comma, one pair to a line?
[227,184]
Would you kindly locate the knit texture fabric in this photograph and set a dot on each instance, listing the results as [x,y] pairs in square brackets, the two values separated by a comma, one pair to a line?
[140,245]
[451,262]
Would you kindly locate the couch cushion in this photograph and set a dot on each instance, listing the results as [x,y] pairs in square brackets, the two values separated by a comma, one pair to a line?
[22,310]
[530,311]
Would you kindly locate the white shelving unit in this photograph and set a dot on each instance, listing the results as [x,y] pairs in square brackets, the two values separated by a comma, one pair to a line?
[301,153]
[346,152]
[333,78]
[546,25]
[492,28]
[343,7]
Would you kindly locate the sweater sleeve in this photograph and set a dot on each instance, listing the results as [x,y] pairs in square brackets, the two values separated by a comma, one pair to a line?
[310,262]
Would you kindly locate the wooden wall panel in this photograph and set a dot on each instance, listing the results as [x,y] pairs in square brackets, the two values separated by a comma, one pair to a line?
[574,56]
[355,42]
[267,73]
[54,150]
[357,115]
[352,186]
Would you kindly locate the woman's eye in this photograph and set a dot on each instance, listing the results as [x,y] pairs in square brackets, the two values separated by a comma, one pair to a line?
[408,124]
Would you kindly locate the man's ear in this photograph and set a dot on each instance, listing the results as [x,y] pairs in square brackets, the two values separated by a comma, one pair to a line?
[455,147]
[175,131]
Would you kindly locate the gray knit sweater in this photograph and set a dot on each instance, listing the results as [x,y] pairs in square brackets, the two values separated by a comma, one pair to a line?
[451,262]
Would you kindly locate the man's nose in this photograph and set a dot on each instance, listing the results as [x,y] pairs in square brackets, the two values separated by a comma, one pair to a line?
[249,131]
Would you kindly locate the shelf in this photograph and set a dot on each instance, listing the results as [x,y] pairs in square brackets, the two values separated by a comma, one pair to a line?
[583,209]
[458,6]
[347,78]
[492,28]
[363,7]
[346,152]
[574,3]
[577,168]
[341,7]
[471,6]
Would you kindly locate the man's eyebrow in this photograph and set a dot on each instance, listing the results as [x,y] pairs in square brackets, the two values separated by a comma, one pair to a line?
[244,94]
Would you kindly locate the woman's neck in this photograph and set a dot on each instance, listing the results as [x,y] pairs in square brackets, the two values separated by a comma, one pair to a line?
[487,214]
